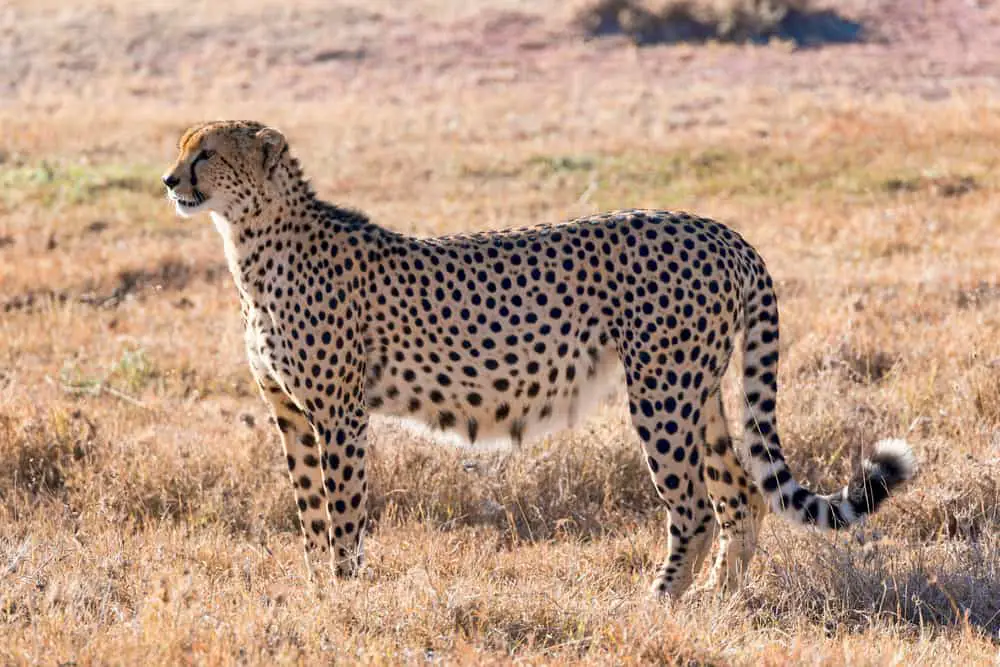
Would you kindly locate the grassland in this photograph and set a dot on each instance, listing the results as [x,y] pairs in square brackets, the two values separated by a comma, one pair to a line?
[144,513]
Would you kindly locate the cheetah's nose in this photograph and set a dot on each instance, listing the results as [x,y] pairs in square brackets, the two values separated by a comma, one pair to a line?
[170,180]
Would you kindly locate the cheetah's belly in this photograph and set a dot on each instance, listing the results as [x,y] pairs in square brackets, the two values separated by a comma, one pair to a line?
[497,409]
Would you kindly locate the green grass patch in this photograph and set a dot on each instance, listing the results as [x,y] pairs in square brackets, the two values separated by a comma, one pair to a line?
[125,377]
[761,174]
[54,184]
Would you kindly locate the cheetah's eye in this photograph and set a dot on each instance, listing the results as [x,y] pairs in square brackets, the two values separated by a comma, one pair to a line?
[204,155]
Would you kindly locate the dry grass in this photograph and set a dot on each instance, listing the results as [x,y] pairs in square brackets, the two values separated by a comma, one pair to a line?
[144,513]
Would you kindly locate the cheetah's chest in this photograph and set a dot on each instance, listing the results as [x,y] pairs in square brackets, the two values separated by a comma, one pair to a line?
[260,338]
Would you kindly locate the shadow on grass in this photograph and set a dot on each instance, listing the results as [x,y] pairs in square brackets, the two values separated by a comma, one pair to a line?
[847,588]
[572,490]
[169,274]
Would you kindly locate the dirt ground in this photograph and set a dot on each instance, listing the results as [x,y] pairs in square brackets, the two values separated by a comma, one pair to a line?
[144,513]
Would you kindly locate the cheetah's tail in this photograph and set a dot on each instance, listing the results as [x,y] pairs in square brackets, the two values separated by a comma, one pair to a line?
[891,464]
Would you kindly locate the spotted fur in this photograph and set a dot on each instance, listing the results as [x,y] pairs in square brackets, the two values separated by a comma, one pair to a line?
[503,336]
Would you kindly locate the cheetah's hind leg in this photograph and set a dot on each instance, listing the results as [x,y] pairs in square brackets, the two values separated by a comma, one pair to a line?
[665,420]
[738,505]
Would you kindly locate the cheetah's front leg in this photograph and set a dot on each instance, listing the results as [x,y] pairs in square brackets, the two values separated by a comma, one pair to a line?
[326,463]
[345,440]
[303,457]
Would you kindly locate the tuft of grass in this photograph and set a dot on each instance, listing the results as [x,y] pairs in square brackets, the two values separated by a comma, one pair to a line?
[670,21]
[558,490]
[850,587]
[554,164]
[863,365]
[942,185]
[41,452]
[128,375]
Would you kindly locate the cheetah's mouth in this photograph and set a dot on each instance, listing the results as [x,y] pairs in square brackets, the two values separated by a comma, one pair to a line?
[188,207]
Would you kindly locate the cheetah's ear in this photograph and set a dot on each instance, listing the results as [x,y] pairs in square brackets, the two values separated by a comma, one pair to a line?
[273,145]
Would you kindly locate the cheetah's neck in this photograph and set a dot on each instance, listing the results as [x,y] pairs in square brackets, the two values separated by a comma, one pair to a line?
[250,240]
[235,251]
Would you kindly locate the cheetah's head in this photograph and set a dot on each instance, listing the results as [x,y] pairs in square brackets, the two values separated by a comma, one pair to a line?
[222,165]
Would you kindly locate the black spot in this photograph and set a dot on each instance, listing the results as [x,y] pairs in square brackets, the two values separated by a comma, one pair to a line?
[446,419]
[517,430]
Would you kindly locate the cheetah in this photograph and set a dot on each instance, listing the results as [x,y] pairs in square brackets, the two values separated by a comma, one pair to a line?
[503,335]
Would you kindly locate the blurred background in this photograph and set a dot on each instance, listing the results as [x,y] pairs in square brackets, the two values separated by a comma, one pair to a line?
[145,515]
